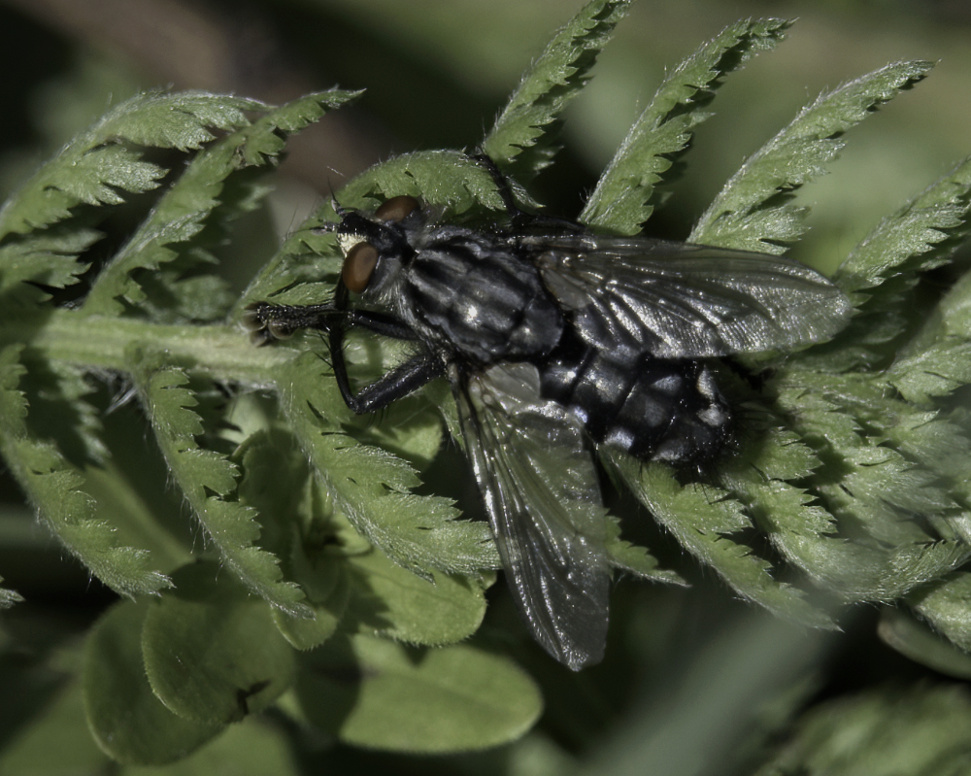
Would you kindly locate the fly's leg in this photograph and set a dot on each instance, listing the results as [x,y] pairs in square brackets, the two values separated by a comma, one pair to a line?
[399,382]
[396,384]
[516,214]
[269,322]
[519,217]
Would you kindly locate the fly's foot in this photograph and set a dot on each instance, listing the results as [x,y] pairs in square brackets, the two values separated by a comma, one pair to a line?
[267,322]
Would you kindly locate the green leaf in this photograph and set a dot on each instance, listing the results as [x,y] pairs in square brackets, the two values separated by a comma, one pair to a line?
[634,559]
[919,230]
[55,489]
[935,363]
[883,732]
[48,258]
[946,607]
[661,134]
[754,210]
[126,718]
[60,397]
[882,272]
[347,582]
[916,641]
[99,164]
[935,371]
[211,652]
[208,480]
[389,601]
[130,493]
[883,554]
[864,543]
[521,141]
[9,597]
[266,139]
[703,520]
[299,526]
[449,179]
[377,694]
[328,607]
[183,120]
[372,487]
[952,317]
[181,213]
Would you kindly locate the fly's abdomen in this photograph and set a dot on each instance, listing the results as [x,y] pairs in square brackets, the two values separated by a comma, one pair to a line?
[655,409]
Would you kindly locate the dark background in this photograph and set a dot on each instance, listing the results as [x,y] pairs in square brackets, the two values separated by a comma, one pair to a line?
[436,74]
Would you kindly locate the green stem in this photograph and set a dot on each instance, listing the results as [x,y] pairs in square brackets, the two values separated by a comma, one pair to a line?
[219,351]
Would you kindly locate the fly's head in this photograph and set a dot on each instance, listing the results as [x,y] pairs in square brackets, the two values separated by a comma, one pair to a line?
[377,247]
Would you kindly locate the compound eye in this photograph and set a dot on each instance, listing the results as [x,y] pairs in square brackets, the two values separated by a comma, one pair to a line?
[359,266]
[396,209]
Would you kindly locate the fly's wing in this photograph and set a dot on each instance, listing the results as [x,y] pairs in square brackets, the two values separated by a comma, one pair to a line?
[676,300]
[543,499]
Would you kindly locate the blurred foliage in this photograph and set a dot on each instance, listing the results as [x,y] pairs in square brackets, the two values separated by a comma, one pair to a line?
[693,681]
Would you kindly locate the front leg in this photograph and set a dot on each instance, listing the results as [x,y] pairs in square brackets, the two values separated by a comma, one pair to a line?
[267,322]
[399,382]
[521,219]
[270,322]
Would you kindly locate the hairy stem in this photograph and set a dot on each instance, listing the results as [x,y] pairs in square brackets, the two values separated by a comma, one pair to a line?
[220,351]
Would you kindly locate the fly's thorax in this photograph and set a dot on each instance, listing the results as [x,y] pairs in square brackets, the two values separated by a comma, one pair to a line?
[468,292]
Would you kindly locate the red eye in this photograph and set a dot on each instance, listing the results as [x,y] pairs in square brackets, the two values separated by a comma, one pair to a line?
[358,266]
[396,209]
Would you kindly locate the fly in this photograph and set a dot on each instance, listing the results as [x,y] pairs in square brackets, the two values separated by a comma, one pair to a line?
[556,341]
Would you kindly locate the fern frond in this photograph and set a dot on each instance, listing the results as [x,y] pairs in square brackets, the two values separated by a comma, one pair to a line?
[621,200]
[372,487]
[522,141]
[9,597]
[55,488]
[754,210]
[704,520]
[208,480]
[182,212]
[103,163]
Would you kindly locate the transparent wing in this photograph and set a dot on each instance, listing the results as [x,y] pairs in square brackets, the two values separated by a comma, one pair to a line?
[676,300]
[541,492]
